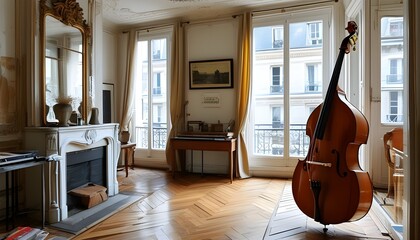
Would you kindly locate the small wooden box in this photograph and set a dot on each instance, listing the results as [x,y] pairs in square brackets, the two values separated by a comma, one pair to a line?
[218,127]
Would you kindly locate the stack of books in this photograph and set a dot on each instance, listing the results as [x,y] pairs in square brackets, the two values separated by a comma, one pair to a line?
[25,233]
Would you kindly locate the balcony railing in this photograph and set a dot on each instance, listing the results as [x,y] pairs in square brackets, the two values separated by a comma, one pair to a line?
[394,117]
[276,89]
[394,78]
[312,88]
[267,140]
[157,91]
[159,136]
[270,141]
[277,44]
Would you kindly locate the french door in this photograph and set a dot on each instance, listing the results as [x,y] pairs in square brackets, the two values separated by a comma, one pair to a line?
[289,76]
[152,88]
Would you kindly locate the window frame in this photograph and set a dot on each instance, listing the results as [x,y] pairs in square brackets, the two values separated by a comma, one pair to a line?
[286,163]
[155,34]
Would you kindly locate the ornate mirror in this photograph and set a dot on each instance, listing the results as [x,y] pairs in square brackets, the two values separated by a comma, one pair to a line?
[64,56]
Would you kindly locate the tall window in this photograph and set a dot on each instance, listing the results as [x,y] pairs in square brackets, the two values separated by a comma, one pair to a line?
[392,83]
[312,84]
[156,83]
[314,33]
[151,100]
[275,117]
[393,107]
[278,118]
[395,71]
[277,37]
[277,81]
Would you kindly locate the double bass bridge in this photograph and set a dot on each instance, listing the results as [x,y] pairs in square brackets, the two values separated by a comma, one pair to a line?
[319,163]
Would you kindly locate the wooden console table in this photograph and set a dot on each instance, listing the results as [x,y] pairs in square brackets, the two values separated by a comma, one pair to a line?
[204,144]
[128,150]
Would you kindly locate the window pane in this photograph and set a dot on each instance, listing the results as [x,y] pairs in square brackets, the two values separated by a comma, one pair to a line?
[142,96]
[392,70]
[277,37]
[314,33]
[267,92]
[305,81]
[159,119]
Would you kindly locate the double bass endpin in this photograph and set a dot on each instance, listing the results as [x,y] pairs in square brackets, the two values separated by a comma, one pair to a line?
[319,163]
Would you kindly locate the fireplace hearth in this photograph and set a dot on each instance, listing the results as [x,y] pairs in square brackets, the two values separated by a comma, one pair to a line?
[62,145]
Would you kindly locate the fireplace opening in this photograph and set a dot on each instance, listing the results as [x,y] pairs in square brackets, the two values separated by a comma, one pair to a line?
[84,167]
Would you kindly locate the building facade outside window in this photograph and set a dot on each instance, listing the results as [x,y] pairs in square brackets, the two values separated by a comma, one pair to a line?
[287,86]
[151,92]
[277,81]
[392,82]
[277,37]
[314,33]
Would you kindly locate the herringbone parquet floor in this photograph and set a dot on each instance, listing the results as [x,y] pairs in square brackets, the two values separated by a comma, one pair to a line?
[209,207]
[192,207]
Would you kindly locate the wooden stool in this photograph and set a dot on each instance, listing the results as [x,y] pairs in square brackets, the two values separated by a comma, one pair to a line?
[127,151]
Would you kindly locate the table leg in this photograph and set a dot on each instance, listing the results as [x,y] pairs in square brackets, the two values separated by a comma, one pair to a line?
[183,159]
[126,155]
[173,162]
[15,196]
[7,200]
[43,195]
[235,164]
[231,165]
[133,150]
[192,161]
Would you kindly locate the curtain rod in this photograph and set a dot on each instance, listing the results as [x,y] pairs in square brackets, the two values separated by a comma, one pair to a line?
[149,28]
[235,15]
[207,20]
[293,6]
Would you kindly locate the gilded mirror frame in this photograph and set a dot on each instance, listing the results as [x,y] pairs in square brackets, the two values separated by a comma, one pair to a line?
[69,13]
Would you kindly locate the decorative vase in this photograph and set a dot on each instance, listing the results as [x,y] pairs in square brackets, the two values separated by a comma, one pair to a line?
[94,117]
[62,112]
[124,137]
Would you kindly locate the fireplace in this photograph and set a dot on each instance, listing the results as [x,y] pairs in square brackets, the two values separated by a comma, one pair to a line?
[99,148]
[83,168]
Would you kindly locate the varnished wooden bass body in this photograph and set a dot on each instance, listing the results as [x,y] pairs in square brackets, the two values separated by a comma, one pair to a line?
[329,184]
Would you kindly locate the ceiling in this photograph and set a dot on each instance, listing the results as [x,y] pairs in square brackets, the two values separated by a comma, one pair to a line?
[124,13]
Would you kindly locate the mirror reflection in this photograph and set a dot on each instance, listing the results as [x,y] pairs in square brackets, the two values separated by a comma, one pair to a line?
[63,65]
[64,36]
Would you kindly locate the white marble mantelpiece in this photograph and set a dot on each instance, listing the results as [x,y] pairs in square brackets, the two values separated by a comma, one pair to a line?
[55,142]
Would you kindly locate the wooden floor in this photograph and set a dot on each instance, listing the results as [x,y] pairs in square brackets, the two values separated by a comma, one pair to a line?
[210,207]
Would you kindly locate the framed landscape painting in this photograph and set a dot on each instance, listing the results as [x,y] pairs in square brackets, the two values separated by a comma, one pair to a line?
[211,74]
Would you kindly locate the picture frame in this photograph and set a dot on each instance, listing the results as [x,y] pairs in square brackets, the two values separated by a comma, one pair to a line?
[108,103]
[211,74]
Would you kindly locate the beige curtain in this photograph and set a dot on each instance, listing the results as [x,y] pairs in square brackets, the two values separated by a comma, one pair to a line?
[177,111]
[244,92]
[128,100]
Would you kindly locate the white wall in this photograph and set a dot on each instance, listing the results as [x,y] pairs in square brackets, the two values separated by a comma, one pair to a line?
[209,41]
[110,66]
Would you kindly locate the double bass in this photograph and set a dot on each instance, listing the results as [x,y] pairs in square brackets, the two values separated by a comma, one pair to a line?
[329,184]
